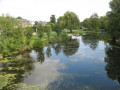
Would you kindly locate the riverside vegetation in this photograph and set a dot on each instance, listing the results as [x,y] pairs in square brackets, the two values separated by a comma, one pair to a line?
[15,39]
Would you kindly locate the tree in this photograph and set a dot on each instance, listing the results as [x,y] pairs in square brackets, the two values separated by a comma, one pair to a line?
[86,23]
[58,29]
[52,19]
[52,25]
[36,22]
[59,26]
[19,17]
[60,19]
[40,29]
[103,22]
[94,22]
[114,19]
[71,21]
[47,29]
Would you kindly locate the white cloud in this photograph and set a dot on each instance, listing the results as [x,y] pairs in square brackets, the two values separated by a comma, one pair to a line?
[43,9]
[44,74]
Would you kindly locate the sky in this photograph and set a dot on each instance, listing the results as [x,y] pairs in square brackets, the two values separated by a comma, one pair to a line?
[41,10]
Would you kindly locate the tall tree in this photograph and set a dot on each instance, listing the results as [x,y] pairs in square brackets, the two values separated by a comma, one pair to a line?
[103,22]
[94,22]
[53,19]
[71,21]
[114,19]
[86,23]
[40,29]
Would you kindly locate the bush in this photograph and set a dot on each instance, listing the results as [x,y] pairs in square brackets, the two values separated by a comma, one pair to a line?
[38,44]
[64,36]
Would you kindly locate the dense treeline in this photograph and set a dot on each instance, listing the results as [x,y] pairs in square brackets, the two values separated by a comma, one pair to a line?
[13,38]
[110,22]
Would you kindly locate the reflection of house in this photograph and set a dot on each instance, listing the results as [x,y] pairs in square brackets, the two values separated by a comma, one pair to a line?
[25,23]
[44,23]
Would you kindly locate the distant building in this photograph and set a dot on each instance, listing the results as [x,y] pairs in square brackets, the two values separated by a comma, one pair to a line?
[26,23]
[44,23]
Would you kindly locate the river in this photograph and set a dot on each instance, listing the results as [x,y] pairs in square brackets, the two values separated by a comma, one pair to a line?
[84,62]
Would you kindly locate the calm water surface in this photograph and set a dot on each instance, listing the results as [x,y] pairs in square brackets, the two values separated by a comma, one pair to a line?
[82,63]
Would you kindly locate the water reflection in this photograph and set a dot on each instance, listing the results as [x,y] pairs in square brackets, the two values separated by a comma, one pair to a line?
[92,40]
[15,68]
[69,46]
[48,51]
[44,74]
[57,48]
[67,64]
[113,62]
[40,55]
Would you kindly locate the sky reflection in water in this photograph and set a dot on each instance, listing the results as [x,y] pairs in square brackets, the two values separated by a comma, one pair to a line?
[84,69]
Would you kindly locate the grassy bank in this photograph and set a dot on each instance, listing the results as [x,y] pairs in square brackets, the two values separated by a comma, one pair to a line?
[44,39]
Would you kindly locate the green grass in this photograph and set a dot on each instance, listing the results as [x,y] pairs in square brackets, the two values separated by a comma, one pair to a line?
[44,39]
[53,35]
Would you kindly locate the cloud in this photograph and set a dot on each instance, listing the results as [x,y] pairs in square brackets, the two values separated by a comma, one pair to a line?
[44,74]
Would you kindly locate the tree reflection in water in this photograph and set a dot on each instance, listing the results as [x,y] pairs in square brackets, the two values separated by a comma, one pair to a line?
[48,51]
[68,46]
[40,56]
[57,48]
[92,40]
[15,68]
[113,62]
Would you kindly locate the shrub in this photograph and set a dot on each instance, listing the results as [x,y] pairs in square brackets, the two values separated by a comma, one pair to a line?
[38,44]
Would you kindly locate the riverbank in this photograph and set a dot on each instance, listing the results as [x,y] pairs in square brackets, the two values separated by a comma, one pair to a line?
[53,35]
[45,40]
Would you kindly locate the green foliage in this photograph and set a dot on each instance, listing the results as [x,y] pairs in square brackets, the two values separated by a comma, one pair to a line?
[114,18]
[19,17]
[64,36]
[86,23]
[103,22]
[38,44]
[52,25]
[47,29]
[52,19]
[71,21]
[58,29]
[92,23]
[60,19]
[14,69]
[28,34]
[40,29]
[3,81]
[14,38]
